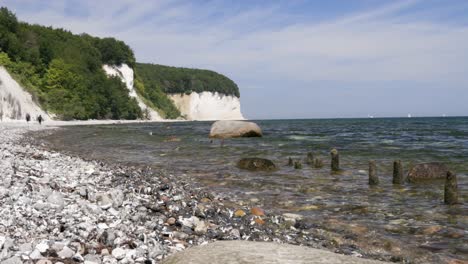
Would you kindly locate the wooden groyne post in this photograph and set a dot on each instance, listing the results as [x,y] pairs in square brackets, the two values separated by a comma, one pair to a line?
[398,177]
[373,178]
[335,160]
[451,189]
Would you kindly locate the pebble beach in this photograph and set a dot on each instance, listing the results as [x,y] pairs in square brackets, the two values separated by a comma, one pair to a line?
[61,208]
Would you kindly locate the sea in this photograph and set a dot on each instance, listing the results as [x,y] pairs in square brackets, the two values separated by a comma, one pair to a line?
[411,216]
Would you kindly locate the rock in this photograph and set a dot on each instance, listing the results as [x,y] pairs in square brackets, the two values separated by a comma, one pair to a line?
[118,197]
[257,211]
[44,261]
[260,252]
[256,164]
[26,247]
[171,221]
[232,129]
[42,247]
[292,217]
[200,228]
[427,171]
[119,253]
[35,254]
[12,260]
[56,198]
[104,200]
[83,191]
[239,213]
[259,221]
[92,259]
[66,253]
[2,241]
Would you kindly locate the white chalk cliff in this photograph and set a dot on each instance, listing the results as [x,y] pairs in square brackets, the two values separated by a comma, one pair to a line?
[15,102]
[208,106]
[125,73]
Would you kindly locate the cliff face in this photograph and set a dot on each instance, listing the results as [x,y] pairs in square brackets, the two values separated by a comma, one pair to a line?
[208,106]
[15,102]
[126,74]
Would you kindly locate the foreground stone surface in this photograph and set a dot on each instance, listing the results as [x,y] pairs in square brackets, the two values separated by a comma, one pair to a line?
[233,129]
[427,171]
[244,252]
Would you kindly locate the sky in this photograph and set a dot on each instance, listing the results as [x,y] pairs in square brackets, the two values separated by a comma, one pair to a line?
[294,58]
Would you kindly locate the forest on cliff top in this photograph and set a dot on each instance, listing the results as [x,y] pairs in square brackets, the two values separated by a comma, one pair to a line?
[63,71]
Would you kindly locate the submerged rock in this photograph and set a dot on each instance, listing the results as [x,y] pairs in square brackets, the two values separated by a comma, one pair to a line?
[256,164]
[233,129]
[427,171]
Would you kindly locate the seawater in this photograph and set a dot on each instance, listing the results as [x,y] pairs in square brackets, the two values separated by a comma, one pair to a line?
[394,213]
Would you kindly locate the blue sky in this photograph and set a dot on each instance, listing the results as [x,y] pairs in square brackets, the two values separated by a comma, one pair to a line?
[295,59]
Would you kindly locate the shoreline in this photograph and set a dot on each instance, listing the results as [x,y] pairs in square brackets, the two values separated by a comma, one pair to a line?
[87,210]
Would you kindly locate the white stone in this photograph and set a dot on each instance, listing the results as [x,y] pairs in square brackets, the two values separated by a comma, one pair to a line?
[119,253]
[292,217]
[35,254]
[229,129]
[66,253]
[102,226]
[56,198]
[2,241]
[44,261]
[42,247]
[12,260]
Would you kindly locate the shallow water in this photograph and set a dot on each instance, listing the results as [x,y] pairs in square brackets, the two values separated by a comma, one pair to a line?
[398,214]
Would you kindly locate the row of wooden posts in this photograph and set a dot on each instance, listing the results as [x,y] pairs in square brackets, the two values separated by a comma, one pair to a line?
[450,190]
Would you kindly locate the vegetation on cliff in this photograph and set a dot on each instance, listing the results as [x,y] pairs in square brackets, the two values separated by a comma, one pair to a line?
[184,80]
[63,71]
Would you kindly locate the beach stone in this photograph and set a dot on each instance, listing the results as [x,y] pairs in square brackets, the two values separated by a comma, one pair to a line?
[234,252]
[257,211]
[56,198]
[239,213]
[256,164]
[233,129]
[171,221]
[12,260]
[200,227]
[119,253]
[42,247]
[289,217]
[35,254]
[44,261]
[427,171]
[118,197]
[104,200]
[66,253]
[2,241]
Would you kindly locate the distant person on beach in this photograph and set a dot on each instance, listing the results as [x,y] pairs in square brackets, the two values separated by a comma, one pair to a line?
[28,118]
[40,119]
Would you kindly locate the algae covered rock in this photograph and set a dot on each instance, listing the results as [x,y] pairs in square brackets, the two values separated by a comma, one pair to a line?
[256,164]
[427,171]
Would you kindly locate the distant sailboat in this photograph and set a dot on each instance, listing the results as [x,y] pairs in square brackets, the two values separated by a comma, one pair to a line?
[370,116]
[409,115]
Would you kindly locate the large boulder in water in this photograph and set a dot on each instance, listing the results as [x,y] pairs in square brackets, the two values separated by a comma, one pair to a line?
[256,164]
[427,171]
[232,129]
